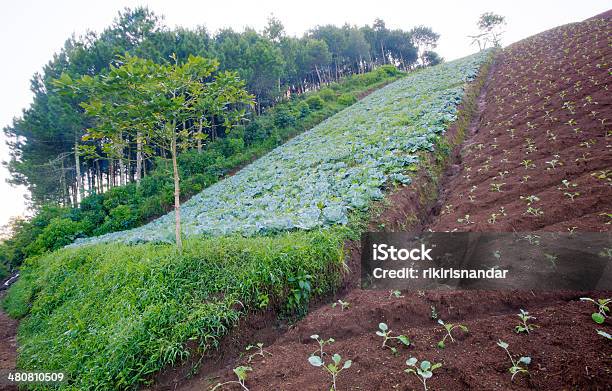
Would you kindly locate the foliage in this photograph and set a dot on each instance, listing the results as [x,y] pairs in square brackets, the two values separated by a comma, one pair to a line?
[45,142]
[241,373]
[525,327]
[333,368]
[599,317]
[518,366]
[99,214]
[110,315]
[423,372]
[449,327]
[384,332]
[341,165]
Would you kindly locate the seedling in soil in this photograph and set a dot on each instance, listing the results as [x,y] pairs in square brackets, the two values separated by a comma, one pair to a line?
[395,293]
[465,220]
[566,185]
[518,366]
[524,327]
[528,164]
[449,327]
[534,211]
[530,199]
[260,351]
[532,239]
[241,373]
[552,258]
[571,195]
[497,187]
[604,334]
[434,313]
[423,371]
[602,309]
[343,304]
[333,368]
[386,334]
[322,343]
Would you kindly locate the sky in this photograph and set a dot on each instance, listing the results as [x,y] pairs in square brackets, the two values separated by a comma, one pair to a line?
[32,31]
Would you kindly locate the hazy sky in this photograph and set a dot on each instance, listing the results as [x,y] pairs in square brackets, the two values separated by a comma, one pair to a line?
[31,31]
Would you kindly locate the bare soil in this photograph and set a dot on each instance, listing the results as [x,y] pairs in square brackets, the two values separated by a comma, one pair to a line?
[8,344]
[546,98]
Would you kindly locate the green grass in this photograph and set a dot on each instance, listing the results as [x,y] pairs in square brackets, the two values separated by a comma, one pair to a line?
[111,315]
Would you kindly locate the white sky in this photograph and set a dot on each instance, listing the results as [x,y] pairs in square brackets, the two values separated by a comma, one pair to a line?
[31,31]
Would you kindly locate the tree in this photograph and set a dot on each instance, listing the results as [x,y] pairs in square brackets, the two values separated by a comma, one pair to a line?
[431,58]
[274,31]
[489,25]
[157,101]
[425,39]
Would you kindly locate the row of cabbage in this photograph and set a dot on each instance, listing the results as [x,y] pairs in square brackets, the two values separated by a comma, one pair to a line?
[342,164]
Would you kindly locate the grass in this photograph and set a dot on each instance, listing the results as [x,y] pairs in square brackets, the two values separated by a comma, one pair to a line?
[111,315]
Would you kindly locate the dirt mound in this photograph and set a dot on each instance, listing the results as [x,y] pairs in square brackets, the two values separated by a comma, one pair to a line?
[542,132]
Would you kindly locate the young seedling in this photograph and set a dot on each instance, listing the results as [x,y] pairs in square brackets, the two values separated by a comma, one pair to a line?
[466,220]
[260,351]
[518,366]
[333,368]
[322,343]
[571,195]
[497,187]
[602,309]
[552,258]
[434,313]
[449,327]
[386,334]
[343,304]
[423,371]
[524,327]
[395,293]
[241,373]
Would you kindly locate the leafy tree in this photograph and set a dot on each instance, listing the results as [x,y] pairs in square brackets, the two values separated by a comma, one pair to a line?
[489,26]
[156,100]
[425,39]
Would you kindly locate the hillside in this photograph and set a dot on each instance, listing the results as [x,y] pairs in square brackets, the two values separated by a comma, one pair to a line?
[541,127]
[113,314]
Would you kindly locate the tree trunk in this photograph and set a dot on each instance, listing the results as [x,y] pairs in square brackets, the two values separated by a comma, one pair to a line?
[111,173]
[138,156]
[200,136]
[177,193]
[77,164]
[318,75]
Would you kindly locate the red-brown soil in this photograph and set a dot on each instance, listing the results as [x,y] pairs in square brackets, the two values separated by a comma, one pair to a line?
[522,115]
[8,345]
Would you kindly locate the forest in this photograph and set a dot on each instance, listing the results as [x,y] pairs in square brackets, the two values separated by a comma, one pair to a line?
[82,185]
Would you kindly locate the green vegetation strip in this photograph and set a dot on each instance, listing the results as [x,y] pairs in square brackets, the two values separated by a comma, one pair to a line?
[111,315]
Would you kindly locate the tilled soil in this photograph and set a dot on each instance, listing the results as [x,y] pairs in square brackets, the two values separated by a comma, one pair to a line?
[545,116]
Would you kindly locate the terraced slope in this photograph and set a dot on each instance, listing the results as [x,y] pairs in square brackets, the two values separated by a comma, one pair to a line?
[340,165]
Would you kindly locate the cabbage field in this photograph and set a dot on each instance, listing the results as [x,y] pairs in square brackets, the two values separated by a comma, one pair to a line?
[318,177]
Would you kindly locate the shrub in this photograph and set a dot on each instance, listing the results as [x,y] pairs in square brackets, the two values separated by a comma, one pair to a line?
[327,94]
[315,102]
[347,99]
